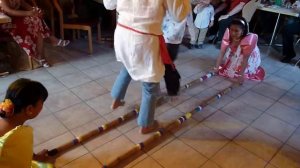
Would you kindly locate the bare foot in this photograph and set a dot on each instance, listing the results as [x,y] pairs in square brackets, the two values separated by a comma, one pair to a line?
[150,128]
[116,103]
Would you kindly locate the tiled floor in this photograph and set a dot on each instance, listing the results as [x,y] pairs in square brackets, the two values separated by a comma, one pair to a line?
[255,125]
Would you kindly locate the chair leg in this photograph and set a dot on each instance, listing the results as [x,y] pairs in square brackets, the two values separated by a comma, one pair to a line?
[99,32]
[90,40]
[30,63]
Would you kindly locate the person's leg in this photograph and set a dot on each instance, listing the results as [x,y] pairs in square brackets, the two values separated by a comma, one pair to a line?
[150,92]
[119,88]
[201,37]
[289,30]
[173,50]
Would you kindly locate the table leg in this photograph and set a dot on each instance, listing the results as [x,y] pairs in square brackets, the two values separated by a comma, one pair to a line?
[275,28]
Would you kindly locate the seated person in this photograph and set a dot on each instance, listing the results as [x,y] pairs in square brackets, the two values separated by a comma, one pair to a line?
[29,29]
[289,30]
[239,47]
[16,140]
[234,10]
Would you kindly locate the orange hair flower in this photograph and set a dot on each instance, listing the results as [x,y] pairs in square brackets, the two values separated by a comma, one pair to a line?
[8,107]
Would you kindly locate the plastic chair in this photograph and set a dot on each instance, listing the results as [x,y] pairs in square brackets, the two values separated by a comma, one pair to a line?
[76,24]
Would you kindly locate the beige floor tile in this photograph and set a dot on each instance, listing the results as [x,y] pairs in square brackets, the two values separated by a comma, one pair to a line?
[84,63]
[269,91]
[135,160]
[101,104]
[237,92]
[87,161]
[62,70]
[294,76]
[295,90]
[184,127]
[257,101]
[108,81]
[287,157]
[274,127]
[204,113]
[46,128]
[179,99]
[241,111]
[74,79]
[159,144]
[169,116]
[270,166]
[162,108]
[66,156]
[188,105]
[97,72]
[291,100]
[113,149]
[147,163]
[89,90]
[285,113]
[54,86]
[258,143]
[204,140]
[5,82]
[61,100]
[224,124]
[219,103]
[235,156]
[279,82]
[76,115]
[178,155]
[210,164]
[39,74]
[294,141]
[222,85]
[98,140]
[207,94]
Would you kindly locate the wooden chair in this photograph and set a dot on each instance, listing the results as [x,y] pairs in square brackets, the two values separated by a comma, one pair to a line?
[76,24]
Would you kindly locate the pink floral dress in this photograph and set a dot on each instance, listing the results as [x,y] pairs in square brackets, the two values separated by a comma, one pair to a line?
[25,31]
[235,55]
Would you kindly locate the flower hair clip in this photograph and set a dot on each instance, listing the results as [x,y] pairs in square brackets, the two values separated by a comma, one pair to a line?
[8,107]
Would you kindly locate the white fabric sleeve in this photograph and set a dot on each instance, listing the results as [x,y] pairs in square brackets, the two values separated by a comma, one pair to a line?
[110,4]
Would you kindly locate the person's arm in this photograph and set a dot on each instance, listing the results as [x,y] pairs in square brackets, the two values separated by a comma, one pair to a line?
[244,65]
[178,9]
[25,5]
[234,11]
[221,7]
[219,60]
[13,12]
[110,4]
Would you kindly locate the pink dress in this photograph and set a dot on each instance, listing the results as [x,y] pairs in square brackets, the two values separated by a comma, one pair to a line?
[25,32]
[235,55]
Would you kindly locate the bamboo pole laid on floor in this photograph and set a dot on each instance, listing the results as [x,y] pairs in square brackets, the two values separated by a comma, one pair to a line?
[112,124]
[140,146]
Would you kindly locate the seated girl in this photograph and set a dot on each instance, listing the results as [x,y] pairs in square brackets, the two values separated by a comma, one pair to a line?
[23,101]
[239,47]
[29,29]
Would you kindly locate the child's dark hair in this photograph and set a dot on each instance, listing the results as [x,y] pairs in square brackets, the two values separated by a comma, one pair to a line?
[22,93]
[242,23]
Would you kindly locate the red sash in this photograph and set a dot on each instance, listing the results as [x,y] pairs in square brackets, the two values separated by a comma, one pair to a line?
[162,45]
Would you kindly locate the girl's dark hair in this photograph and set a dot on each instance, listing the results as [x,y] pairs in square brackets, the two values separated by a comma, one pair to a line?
[240,21]
[24,92]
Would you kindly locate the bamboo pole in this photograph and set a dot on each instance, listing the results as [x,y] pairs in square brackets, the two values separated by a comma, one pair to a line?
[161,132]
[114,123]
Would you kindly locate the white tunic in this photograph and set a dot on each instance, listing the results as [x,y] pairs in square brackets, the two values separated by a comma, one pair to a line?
[205,15]
[139,53]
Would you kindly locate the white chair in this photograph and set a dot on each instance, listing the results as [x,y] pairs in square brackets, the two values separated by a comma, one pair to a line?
[249,9]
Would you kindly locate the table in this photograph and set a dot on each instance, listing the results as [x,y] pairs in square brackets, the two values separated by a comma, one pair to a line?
[4,18]
[279,10]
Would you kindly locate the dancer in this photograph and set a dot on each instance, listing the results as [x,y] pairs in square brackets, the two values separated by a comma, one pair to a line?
[138,46]
[239,47]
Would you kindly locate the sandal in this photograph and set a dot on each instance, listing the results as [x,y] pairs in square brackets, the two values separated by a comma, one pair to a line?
[62,43]
[150,128]
[43,63]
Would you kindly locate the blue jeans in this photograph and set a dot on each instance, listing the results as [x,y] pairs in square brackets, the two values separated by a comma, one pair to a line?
[150,93]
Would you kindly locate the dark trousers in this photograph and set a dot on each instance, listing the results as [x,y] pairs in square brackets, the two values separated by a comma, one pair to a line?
[173,50]
[289,30]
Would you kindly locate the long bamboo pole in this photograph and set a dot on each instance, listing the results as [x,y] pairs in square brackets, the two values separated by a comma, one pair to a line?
[113,124]
[176,123]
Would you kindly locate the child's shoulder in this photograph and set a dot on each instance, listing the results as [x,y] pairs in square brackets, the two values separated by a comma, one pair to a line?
[19,132]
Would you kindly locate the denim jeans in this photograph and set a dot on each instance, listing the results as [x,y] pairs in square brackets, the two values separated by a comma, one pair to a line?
[150,92]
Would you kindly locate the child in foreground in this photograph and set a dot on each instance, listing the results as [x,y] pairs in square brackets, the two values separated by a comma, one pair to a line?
[23,101]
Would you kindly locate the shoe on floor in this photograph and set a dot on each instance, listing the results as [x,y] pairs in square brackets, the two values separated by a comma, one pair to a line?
[150,128]
[191,46]
[199,46]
